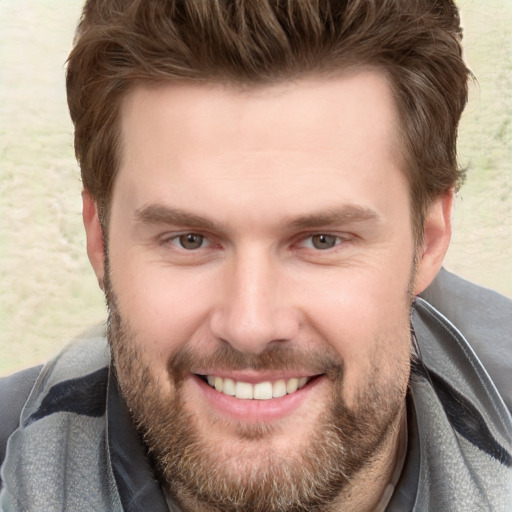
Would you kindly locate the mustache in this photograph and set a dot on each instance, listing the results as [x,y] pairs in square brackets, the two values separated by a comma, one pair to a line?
[275,357]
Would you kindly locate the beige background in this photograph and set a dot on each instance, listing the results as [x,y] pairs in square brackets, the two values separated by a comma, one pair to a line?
[48,292]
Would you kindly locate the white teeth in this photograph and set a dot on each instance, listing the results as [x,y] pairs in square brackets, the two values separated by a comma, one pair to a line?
[263,391]
[219,384]
[302,382]
[229,387]
[279,388]
[292,385]
[260,391]
[243,390]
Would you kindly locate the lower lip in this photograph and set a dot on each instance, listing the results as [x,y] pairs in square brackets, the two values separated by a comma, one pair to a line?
[256,411]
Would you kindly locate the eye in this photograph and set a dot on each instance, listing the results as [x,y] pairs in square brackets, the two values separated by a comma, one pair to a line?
[190,241]
[321,241]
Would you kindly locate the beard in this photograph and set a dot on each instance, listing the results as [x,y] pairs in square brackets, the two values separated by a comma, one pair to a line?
[246,473]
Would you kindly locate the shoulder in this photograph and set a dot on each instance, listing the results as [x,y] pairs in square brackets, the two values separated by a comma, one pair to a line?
[484,318]
[460,300]
[57,379]
[64,418]
[14,391]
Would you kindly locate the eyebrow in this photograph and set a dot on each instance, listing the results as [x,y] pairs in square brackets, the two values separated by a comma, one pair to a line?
[161,214]
[336,216]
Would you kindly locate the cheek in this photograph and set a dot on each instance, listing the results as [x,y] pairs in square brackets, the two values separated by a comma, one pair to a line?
[164,308]
[358,301]
[366,321]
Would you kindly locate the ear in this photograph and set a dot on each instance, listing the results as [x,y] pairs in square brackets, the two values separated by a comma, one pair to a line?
[94,233]
[437,231]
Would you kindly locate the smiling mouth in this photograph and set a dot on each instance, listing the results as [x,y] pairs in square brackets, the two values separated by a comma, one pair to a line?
[260,391]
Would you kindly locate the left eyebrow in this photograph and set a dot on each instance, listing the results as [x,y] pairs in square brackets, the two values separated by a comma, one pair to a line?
[335,216]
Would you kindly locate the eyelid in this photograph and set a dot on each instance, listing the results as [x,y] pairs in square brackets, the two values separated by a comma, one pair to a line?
[341,239]
[209,240]
[172,238]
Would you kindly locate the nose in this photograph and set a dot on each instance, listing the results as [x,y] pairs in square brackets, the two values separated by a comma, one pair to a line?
[254,307]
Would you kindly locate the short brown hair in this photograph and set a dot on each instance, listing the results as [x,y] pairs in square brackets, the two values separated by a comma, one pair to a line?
[417,43]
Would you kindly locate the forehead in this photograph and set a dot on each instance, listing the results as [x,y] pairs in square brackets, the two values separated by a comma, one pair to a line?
[325,107]
[314,135]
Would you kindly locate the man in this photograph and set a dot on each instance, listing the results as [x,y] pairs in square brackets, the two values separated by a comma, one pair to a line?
[267,188]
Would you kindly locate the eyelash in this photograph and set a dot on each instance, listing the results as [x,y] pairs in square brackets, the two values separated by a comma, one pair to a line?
[336,239]
[177,238]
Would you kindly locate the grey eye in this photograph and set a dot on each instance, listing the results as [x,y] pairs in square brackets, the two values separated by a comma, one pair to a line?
[323,242]
[191,241]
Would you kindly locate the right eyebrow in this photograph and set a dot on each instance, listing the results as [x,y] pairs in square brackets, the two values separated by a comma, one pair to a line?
[160,214]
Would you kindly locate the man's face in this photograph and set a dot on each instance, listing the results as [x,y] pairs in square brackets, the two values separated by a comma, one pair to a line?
[260,241]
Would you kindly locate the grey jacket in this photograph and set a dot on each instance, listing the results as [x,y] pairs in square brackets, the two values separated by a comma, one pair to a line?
[74,447]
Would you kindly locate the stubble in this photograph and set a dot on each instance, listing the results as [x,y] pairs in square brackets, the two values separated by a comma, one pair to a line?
[249,475]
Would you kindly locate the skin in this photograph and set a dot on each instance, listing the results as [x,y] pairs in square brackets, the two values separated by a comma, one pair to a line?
[258,173]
